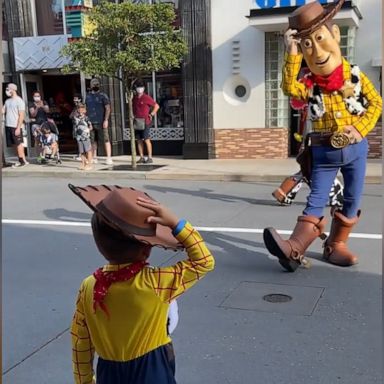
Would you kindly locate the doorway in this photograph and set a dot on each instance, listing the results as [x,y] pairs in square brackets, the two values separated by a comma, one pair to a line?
[58,92]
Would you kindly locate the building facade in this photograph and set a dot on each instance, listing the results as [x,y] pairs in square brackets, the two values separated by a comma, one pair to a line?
[251,116]
[225,100]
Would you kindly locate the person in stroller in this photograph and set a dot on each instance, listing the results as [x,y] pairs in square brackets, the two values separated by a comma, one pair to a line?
[49,136]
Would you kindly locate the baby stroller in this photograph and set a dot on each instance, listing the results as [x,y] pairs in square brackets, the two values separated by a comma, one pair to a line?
[49,139]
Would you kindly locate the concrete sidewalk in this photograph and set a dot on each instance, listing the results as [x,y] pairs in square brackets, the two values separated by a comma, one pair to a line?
[176,168]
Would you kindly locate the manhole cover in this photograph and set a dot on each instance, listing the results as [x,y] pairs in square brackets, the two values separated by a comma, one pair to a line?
[277,298]
[126,167]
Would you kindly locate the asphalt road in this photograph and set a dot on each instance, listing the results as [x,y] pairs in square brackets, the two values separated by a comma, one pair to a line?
[329,332]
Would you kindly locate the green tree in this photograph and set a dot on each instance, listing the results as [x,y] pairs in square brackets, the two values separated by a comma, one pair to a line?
[127,41]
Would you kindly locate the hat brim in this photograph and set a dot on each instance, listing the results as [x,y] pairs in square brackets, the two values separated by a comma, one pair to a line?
[92,195]
[330,11]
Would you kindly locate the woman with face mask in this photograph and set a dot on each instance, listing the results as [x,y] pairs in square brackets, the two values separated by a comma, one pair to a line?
[38,110]
[144,107]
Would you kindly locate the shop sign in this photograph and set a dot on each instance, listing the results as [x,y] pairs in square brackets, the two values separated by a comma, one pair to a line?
[39,52]
[263,4]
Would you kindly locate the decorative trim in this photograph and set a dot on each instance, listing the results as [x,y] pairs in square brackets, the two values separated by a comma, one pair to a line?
[160,134]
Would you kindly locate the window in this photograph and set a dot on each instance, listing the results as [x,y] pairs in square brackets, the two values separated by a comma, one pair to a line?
[49,17]
[276,103]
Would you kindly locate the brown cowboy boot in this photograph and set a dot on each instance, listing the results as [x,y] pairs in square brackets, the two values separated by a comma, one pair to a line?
[291,252]
[284,194]
[335,247]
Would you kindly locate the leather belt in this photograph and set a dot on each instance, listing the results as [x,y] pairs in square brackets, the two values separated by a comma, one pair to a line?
[336,140]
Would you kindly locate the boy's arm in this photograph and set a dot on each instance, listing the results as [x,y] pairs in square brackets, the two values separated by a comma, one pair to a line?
[170,282]
[82,347]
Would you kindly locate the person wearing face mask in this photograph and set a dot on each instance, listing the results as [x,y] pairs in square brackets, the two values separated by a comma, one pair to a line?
[38,110]
[144,107]
[98,111]
[74,113]
[344,107]
[14,112]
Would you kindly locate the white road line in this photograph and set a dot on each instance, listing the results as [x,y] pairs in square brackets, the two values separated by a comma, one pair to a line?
[371,236]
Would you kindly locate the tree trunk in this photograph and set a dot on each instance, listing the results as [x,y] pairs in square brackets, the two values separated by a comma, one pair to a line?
[131,130]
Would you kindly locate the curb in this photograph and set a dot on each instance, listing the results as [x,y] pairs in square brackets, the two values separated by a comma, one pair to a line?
[140,175]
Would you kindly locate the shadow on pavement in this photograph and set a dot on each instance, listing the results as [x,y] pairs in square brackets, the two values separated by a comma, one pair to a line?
[208,194]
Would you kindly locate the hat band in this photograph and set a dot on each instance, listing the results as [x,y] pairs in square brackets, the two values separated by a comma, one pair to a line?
[122,225]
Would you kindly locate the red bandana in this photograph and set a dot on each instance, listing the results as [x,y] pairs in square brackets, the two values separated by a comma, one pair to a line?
[104,279]
[330,83]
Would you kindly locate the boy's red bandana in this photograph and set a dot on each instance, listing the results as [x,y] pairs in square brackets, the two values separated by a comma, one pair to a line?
[104,279]
[330,83]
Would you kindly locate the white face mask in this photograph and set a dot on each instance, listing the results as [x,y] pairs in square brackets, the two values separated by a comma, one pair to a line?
[8,92]
[140,90]
[37,98]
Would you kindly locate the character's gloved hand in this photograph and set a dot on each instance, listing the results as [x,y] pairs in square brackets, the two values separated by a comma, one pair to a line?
[353,134]
[291,41]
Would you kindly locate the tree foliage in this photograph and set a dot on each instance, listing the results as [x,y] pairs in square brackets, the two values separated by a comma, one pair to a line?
[127,41]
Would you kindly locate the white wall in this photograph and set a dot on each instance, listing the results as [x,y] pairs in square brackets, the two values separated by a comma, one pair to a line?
[369,38]
[229,23]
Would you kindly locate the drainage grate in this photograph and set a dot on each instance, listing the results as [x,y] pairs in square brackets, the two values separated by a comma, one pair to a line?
[277,298]
[127,167]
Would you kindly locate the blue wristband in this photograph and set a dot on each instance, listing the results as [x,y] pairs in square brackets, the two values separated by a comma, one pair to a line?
[180,225]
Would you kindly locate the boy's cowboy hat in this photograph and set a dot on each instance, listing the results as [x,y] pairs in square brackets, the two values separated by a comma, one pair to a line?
[310,17]
[118,207]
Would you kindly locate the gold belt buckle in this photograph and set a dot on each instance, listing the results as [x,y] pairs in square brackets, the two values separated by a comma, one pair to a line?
[339,140]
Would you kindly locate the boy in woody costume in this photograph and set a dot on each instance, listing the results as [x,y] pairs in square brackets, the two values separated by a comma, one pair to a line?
[121,310]
[344,107]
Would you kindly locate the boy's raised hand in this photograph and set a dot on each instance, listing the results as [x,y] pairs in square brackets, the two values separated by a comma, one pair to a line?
[162,215]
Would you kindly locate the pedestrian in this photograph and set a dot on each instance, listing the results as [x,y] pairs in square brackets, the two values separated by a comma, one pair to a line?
[144,108]
[38,110]
[14,111]
[76,101]
[99,110]
[83,129]
[121,310]
[344,107]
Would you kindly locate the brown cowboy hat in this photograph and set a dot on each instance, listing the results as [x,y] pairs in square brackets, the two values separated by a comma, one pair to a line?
[118,207]
[310,17]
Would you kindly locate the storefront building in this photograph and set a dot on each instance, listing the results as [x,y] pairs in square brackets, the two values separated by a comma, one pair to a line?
[225,100]
[251,116]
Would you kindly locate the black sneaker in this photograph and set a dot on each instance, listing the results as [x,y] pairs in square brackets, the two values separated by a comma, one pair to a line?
[149,160]
[140,161]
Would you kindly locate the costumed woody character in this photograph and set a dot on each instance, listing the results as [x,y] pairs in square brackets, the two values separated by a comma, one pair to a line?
[344,107]
[286,193]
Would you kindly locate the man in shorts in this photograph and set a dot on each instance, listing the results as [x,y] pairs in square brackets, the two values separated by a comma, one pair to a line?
[99,110]
[14,111]
[144,107]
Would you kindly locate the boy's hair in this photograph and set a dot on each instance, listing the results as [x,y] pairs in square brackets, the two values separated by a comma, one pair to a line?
[139,83]
[113,244]
[81,105]
[45,129]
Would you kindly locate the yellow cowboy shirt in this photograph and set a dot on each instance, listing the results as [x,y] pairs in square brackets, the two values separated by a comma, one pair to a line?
[336,115]
[138,308]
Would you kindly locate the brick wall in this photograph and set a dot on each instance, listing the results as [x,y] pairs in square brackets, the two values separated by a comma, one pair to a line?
[260,143]
[375,141]
[271,143]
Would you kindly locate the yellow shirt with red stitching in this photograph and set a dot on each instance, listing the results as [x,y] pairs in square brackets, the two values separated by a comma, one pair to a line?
[138,308]
[336,115]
